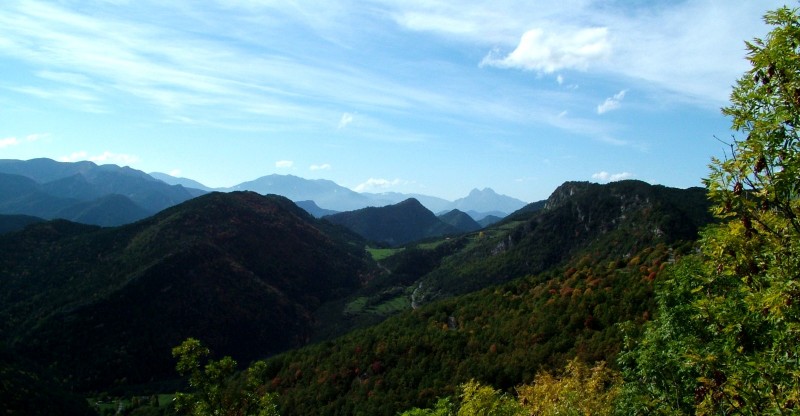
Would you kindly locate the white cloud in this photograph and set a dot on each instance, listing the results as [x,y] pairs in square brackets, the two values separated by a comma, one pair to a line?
[14,141]
[9,141]
[377,184]
[560,79]
[36,136]
[103,158]
[284,164]
[604,176]
[175,172]
[549,52]
[324,166]
[611,103]
[346,119]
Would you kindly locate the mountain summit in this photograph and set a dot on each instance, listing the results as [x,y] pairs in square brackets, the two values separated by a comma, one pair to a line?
[487,201]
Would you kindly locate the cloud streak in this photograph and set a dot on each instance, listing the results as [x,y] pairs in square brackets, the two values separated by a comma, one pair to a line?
[377,184]
[611,103]
[604,176]
[106,157]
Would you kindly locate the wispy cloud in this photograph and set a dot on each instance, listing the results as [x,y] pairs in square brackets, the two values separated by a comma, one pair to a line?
[377,184]
[106,157]
[345,120]
[284,164]
[611,103]
[15,141]
[324,166]
[691,49]
[604,176]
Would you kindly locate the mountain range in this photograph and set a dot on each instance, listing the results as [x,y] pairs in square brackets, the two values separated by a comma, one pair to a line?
[84,192]
[109,195]
[332,197]
[103,306]
[256,275]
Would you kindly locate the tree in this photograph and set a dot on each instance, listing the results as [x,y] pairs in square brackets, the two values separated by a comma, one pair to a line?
[581,390]
[217,388]
[734,341]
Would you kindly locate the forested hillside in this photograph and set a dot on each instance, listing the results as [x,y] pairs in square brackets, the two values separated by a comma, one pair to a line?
[103,306]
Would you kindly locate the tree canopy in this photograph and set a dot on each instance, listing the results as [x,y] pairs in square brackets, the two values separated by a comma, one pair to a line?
[727,336]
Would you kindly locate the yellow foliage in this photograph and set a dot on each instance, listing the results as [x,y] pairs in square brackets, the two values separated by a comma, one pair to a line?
[581,390]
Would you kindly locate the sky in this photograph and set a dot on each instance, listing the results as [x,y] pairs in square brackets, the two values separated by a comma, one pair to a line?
[414,96]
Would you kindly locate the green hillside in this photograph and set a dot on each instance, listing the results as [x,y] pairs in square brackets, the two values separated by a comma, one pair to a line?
[103,306]
[564,295]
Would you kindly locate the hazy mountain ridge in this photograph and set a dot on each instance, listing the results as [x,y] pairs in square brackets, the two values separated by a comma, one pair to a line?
[104,195]
[80,191]
[330,196]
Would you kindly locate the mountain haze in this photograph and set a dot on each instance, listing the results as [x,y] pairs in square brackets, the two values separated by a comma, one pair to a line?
[326,194]
[487,201]
[83,191]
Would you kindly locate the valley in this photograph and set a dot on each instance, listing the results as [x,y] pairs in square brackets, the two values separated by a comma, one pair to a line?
[255,276]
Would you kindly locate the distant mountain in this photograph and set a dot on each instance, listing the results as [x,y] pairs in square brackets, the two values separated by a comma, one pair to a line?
[489,220]
[189,184]
[326,194]
[83,191]
[460,221]
[312,208]
[102,306]
[487,201]
[396,224]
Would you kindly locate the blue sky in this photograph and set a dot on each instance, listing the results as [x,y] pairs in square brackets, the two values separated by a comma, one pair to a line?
[431,97]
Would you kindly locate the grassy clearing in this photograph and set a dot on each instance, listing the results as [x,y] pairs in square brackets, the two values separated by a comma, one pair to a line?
[356,307]
[379,254]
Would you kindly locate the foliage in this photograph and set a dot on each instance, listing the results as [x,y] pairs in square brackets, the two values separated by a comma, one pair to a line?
[478,400]
[502,336]
[581,390]
[217,389]
[726,340]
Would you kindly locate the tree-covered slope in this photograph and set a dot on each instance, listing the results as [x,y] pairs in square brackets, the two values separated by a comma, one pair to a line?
[104,306]
[579,264]
[616,219]
[460,220]
[501,336]
[396,224]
